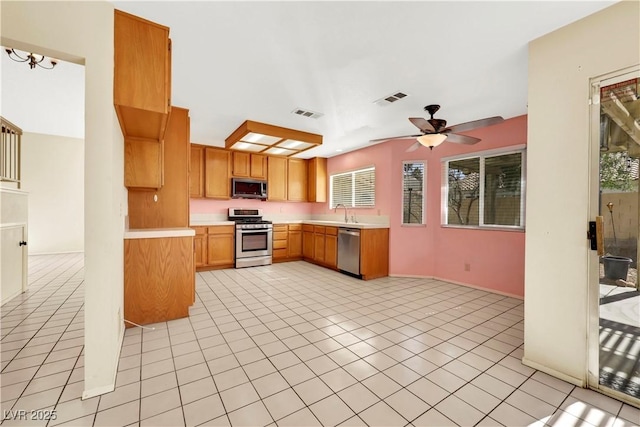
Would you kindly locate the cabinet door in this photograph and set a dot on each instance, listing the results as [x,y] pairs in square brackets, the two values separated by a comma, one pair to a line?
[295,244]
[318,247]
[241,164]
[220,249]
[331,251]
[307,244]
[297,180]
[196,172]
[317,179]
[217,165]
[258,166]
[142,163]
[277,179]
[200,242]
[142,76]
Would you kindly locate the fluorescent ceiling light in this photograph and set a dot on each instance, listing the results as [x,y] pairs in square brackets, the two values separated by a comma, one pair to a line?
[269,139]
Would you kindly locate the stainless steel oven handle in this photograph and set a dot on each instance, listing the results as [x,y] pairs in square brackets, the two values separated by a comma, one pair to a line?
[253,230]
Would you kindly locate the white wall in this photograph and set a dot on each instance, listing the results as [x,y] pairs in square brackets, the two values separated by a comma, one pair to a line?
[53,174]
[559,169]
[82,32]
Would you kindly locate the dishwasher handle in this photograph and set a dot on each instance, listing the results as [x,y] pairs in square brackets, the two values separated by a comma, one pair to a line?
[349,231]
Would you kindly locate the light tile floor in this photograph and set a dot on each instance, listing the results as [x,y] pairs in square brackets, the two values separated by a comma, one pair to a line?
[291,345]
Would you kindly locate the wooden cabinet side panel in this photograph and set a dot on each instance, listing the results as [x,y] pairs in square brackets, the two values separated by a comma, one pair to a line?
[374,253]
[196,172]
[141,63]
[217,173]
[277,179]
[158,279]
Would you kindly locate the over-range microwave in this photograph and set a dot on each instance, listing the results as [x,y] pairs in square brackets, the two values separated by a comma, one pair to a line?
[242,188]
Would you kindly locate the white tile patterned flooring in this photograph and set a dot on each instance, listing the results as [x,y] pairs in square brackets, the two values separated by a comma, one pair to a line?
[291,345]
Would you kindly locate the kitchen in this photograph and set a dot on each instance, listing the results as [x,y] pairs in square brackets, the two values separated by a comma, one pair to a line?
[385,171]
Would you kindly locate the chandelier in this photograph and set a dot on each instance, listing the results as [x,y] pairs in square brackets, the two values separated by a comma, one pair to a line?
[32,58]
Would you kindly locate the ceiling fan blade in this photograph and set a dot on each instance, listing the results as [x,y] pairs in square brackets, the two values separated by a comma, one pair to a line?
[413,147]
[422,124]
[463,127]
[395,137]
[461,139]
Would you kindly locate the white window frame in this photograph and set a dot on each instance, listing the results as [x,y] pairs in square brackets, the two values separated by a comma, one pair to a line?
[424,195]
[353,187]
[482,155]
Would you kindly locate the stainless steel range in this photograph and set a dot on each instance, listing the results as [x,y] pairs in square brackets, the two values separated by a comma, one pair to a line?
[254,237]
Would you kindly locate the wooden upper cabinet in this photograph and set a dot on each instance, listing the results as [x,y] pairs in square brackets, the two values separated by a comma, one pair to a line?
[297,180]
[317,179]
[168,206]
[142,163]
[217,173]
[142,76]
[277,179]
[249,165]
[258,166]
[196,171]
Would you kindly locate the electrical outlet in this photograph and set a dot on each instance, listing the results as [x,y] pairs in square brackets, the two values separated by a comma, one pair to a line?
[467,266]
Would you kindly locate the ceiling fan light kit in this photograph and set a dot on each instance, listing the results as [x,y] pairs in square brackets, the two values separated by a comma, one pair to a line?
[435,131]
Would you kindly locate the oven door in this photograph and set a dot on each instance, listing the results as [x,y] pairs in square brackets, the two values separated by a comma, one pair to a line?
[254,243]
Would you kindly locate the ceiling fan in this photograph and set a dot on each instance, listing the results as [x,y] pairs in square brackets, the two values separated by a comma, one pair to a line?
[435,131]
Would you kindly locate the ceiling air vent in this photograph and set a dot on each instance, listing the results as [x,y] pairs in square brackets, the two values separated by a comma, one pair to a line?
[390,99]
[307,113]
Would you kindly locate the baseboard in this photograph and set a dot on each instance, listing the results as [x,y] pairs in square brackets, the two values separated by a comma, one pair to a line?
[88,394]
[9,298]
[57,253]
[564,377]
[453,282]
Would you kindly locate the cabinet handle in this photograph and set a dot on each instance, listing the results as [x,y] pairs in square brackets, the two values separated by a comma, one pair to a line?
[23,243]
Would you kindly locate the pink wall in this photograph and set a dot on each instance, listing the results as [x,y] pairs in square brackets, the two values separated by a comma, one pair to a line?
[496,258]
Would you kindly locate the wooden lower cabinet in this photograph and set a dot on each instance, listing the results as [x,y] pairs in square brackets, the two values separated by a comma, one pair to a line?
[307,242]
[331,247]
[214,247]
[374,253]
[320,245]
[158,279]
[287,242]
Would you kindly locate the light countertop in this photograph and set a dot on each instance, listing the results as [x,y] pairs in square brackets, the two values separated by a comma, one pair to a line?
[155,233]
[359,225]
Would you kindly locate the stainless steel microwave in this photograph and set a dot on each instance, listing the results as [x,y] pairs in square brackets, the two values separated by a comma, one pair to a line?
[242,188]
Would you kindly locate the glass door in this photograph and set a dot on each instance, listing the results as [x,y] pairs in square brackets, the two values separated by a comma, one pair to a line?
[614,366]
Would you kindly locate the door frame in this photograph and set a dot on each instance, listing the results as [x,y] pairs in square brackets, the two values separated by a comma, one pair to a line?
[593,262]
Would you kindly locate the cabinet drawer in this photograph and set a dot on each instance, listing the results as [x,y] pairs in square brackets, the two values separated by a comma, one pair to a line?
[319,229]
[307,227]
[332,231]
[222,229]
[295,227]
[280,235]
[279,244]
[200,230]
[279,227]
[280,253]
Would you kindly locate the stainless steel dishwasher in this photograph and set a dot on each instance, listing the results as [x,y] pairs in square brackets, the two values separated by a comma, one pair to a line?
[349,251]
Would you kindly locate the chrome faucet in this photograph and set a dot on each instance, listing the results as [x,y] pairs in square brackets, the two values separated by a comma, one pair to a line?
[346,220]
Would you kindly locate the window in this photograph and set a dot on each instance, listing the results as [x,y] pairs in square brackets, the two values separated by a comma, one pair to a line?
[413,186]
[355,189]
[486,190]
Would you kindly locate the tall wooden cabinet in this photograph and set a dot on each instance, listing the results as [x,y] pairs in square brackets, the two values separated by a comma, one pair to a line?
[277,179]
[142,76]
[297,180]
[196,171]
[217,166]
[317,179]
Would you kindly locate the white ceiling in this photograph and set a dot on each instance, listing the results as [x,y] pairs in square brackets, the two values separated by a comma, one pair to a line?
[234,61]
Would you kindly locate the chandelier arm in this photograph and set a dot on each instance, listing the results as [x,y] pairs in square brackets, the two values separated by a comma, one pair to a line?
[46,68]
[10,51]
